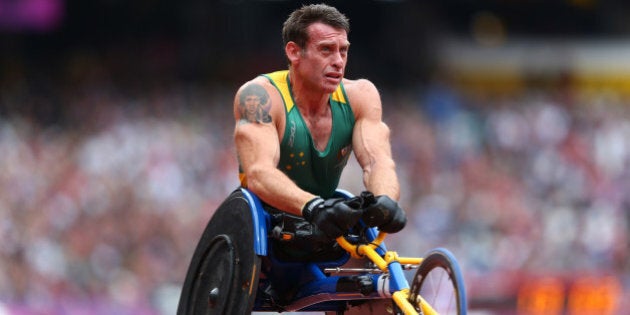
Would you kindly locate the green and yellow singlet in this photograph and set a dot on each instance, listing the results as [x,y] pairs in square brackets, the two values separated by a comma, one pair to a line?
[317,172]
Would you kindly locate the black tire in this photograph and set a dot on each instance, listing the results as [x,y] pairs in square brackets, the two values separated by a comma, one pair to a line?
[439,282]
[222,277]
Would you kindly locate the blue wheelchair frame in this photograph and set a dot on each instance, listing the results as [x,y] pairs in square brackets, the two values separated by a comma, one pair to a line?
[319,291]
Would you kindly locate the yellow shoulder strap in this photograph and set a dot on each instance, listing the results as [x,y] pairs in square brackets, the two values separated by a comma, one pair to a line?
[338,95]
[279,80]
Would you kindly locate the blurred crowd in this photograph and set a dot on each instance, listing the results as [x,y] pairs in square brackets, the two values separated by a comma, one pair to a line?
[102,206]
[101,217]
[518,187]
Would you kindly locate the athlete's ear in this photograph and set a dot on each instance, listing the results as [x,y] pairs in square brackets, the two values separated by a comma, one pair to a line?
[293,52]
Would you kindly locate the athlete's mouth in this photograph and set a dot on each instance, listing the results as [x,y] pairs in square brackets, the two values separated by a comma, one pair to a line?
[334,75]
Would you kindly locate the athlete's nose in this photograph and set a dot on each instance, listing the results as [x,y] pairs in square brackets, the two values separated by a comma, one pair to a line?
[338,61]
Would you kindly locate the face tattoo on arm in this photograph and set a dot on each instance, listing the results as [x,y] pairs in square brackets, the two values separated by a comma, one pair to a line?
[254,104]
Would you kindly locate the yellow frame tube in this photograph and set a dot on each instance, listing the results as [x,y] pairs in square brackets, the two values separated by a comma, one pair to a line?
[399,297]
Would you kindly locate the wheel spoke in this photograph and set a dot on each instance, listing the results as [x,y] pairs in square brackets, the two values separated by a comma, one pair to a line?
[438,281]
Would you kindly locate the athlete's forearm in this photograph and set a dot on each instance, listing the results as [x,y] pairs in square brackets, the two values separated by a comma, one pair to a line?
[373,150]
[381,179]
[277,190]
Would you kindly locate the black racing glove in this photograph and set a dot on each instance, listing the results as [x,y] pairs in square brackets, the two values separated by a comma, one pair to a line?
[383,212]
[333,216]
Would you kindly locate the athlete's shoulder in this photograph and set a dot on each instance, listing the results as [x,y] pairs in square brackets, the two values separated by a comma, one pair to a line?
[358,83]
[258,100]
[360,89]
[259,85]
[258,81]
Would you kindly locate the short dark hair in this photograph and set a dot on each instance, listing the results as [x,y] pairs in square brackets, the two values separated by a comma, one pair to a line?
[294,28]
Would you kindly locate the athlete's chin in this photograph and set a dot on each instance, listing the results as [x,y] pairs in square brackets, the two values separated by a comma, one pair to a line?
[330,85]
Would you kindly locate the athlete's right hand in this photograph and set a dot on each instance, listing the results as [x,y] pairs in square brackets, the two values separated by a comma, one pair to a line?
[332,216]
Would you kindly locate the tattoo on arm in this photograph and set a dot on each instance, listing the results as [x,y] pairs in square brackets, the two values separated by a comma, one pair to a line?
[254,104]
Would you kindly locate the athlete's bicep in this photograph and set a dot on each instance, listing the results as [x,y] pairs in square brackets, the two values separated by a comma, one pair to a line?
[370,135]
[255,135]
[256,146]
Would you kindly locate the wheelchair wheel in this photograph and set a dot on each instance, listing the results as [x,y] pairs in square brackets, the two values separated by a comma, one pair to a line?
[222,277]
[440,283]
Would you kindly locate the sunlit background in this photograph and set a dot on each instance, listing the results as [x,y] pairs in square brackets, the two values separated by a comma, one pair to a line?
[510,126]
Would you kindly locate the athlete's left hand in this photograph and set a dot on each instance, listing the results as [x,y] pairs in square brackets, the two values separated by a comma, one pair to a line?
[384,213]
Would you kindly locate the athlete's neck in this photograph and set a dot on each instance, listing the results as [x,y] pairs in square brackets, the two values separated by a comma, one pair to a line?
[310,100]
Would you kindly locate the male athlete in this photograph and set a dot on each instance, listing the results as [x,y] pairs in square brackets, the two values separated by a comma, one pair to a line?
[295,130]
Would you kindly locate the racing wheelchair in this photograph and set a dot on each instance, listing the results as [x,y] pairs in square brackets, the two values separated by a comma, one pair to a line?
[241,265]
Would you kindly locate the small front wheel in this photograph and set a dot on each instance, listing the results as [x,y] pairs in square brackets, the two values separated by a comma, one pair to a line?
[440,284]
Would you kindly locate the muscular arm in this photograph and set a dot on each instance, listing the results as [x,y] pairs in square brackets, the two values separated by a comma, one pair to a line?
[371,141]
[258,148]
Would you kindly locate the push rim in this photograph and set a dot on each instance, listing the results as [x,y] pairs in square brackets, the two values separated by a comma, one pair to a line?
[440,283]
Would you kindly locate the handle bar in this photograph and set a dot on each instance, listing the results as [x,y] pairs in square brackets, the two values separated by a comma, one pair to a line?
[368,250]
[358,250]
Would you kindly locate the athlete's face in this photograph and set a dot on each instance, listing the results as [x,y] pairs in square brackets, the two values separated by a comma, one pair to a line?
[323,60]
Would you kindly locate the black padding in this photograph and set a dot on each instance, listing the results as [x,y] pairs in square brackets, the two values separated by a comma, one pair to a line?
[296,240]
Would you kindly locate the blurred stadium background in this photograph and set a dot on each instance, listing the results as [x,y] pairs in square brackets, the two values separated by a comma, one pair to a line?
[510,125]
